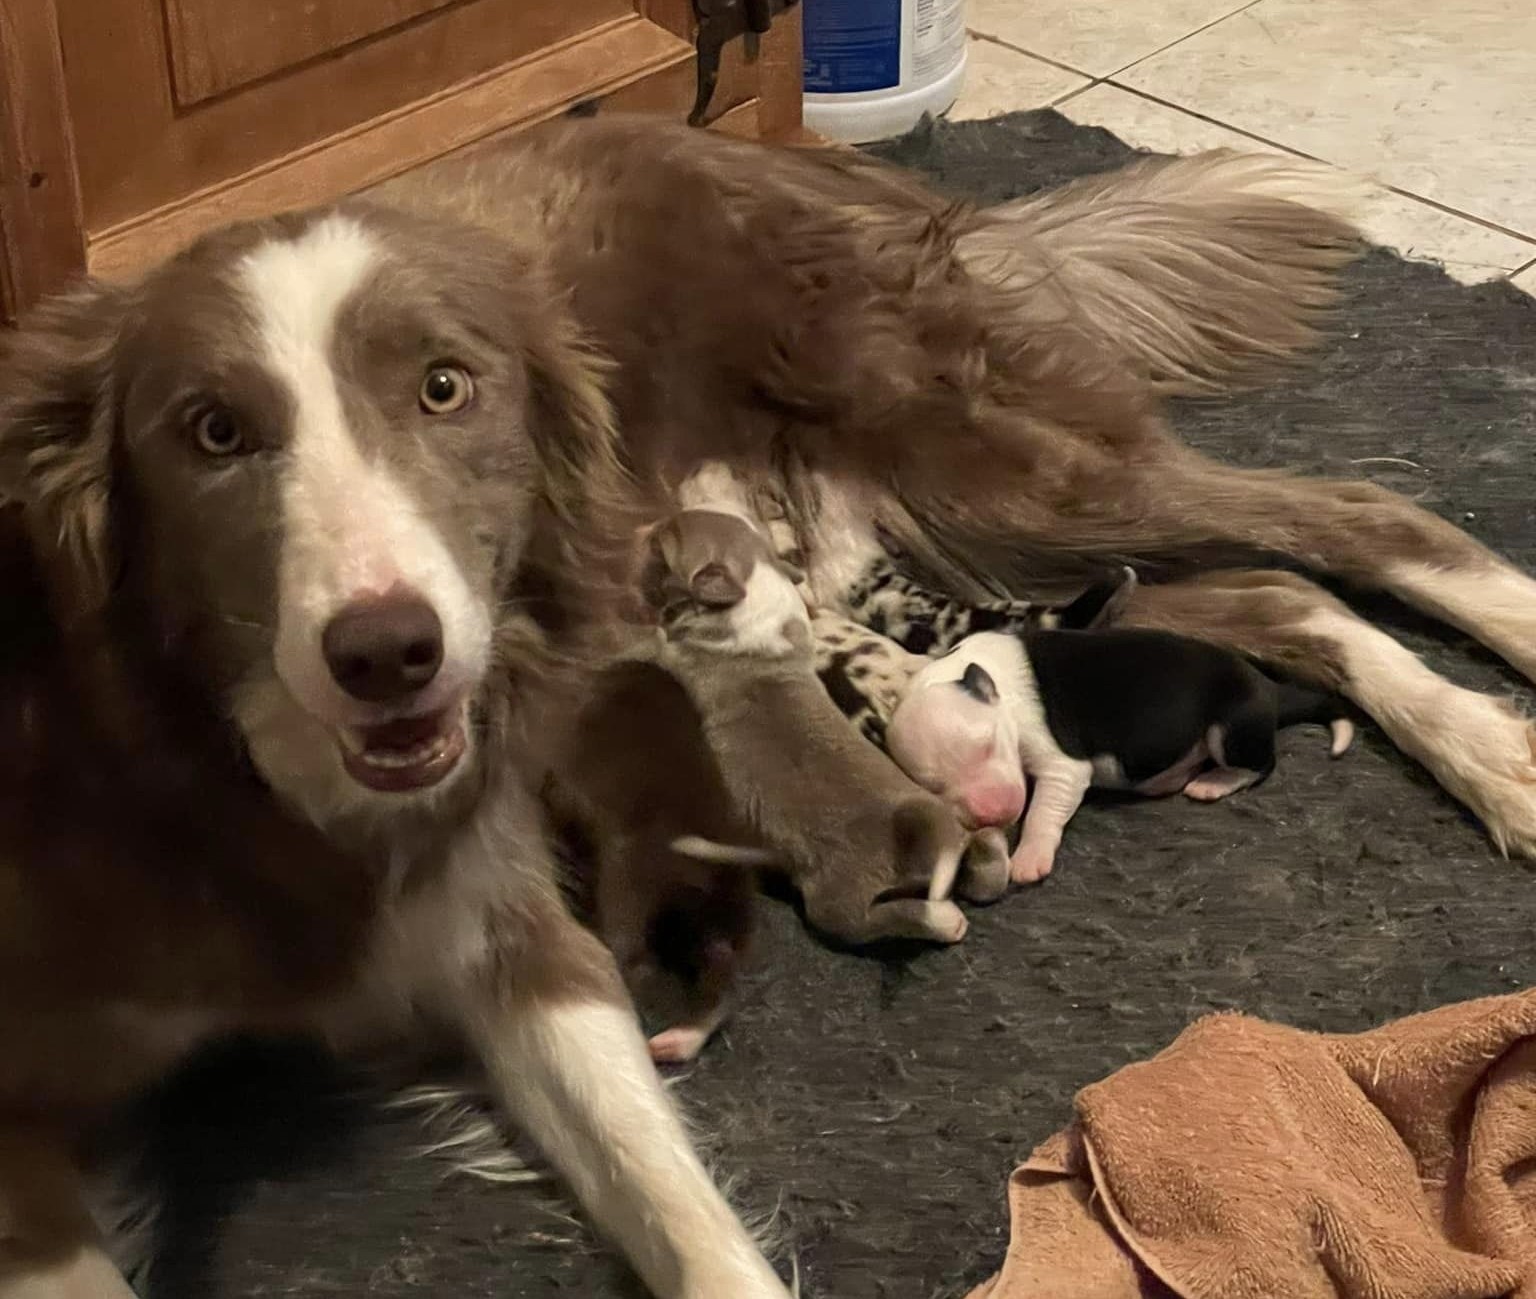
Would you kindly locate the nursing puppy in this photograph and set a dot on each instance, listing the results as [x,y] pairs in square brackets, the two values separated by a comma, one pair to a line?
[1144,711]
[637,781]
[872,855]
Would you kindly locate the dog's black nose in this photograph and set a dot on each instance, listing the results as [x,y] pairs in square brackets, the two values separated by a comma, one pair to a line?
[384,649]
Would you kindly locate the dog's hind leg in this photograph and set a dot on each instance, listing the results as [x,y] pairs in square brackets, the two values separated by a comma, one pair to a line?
[48,1243]
[550,1018]
[1477,746]
[1368,535]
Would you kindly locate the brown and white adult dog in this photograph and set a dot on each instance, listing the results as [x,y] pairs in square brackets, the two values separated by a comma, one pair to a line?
[300,528]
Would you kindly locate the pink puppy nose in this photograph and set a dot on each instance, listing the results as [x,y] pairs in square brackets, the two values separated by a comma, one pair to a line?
[985,805]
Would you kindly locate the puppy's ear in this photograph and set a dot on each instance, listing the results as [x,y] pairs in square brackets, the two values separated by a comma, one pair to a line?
[1101,604]
[658,583]
[977,682]
[715,587]
[56,425]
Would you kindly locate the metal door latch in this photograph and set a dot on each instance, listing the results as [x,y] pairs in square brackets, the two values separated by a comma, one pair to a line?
[721,21]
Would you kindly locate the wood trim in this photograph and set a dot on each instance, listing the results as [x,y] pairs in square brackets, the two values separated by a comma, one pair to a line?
[759,95]
[781,77]
[42,242]
[515,96]
[676,16]
[742,121]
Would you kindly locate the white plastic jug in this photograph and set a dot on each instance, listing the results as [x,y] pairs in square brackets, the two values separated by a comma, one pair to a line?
[874,67]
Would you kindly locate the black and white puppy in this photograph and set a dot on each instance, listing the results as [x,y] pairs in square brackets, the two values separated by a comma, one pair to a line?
[1145,711]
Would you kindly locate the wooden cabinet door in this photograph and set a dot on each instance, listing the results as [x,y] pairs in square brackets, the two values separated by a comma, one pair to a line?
[190,109]
[127,127]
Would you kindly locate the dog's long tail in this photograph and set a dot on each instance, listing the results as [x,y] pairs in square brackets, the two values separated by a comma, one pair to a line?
[1201,271]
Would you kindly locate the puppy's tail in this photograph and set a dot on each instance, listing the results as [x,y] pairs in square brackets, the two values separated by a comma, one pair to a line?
[724,854]
[1202,272]
[1298,703]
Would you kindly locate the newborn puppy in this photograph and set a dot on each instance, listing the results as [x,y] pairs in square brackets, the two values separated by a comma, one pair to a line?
[866,660]
[872,855]
[637,781]
[1145,711]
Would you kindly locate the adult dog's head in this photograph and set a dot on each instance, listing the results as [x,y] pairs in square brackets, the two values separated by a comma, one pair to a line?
[308,456]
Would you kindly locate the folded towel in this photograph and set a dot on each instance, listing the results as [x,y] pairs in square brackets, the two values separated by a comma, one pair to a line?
[1253,1161]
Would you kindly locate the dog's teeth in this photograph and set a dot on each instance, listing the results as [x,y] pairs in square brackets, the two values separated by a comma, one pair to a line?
[411,757]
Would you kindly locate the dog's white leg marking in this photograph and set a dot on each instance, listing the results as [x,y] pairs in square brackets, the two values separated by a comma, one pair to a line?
[350,527]
[1496,604]
[1057,794]
[579,1076]
[1479,747]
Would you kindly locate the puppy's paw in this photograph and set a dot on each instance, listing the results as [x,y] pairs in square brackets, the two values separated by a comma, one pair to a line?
[677,1045]
[984,869]
[1030,866]
[946,922]
[1217,783]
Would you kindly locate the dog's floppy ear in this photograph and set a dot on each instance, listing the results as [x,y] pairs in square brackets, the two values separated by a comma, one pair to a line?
[977,682]
[715,587]
[56,423]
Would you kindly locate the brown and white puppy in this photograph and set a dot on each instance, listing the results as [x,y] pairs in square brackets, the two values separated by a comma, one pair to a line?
[638,781]
[269,693]
[872,855]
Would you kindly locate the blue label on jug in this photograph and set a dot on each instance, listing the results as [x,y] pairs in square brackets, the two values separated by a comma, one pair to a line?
[852,45]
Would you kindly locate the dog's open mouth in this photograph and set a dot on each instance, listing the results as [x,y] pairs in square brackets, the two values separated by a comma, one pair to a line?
[405,754]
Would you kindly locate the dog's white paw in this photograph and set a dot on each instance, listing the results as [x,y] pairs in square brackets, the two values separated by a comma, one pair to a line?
[1483,751]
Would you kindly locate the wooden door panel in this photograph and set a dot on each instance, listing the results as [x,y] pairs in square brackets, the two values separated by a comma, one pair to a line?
[218,45]
[137,150]
[633,64]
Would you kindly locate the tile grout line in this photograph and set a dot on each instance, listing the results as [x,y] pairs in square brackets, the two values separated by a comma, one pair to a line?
[1215,22]
[1108,79]
[1019,49]
[1096,78]
[1299,153]
[1521,270]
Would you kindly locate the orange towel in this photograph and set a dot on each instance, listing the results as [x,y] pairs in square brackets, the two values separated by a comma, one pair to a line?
[1252,1161]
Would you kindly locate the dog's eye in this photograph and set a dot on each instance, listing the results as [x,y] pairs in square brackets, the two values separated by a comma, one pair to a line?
[445,389]
[218,432]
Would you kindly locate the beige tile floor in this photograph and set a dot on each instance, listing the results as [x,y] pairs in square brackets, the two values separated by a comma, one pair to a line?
[1433,99]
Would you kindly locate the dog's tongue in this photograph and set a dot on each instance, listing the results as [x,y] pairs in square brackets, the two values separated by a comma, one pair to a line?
[403,733]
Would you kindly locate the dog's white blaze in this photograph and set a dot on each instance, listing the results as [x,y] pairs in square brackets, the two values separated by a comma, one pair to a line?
[1480,748]
[350,528]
